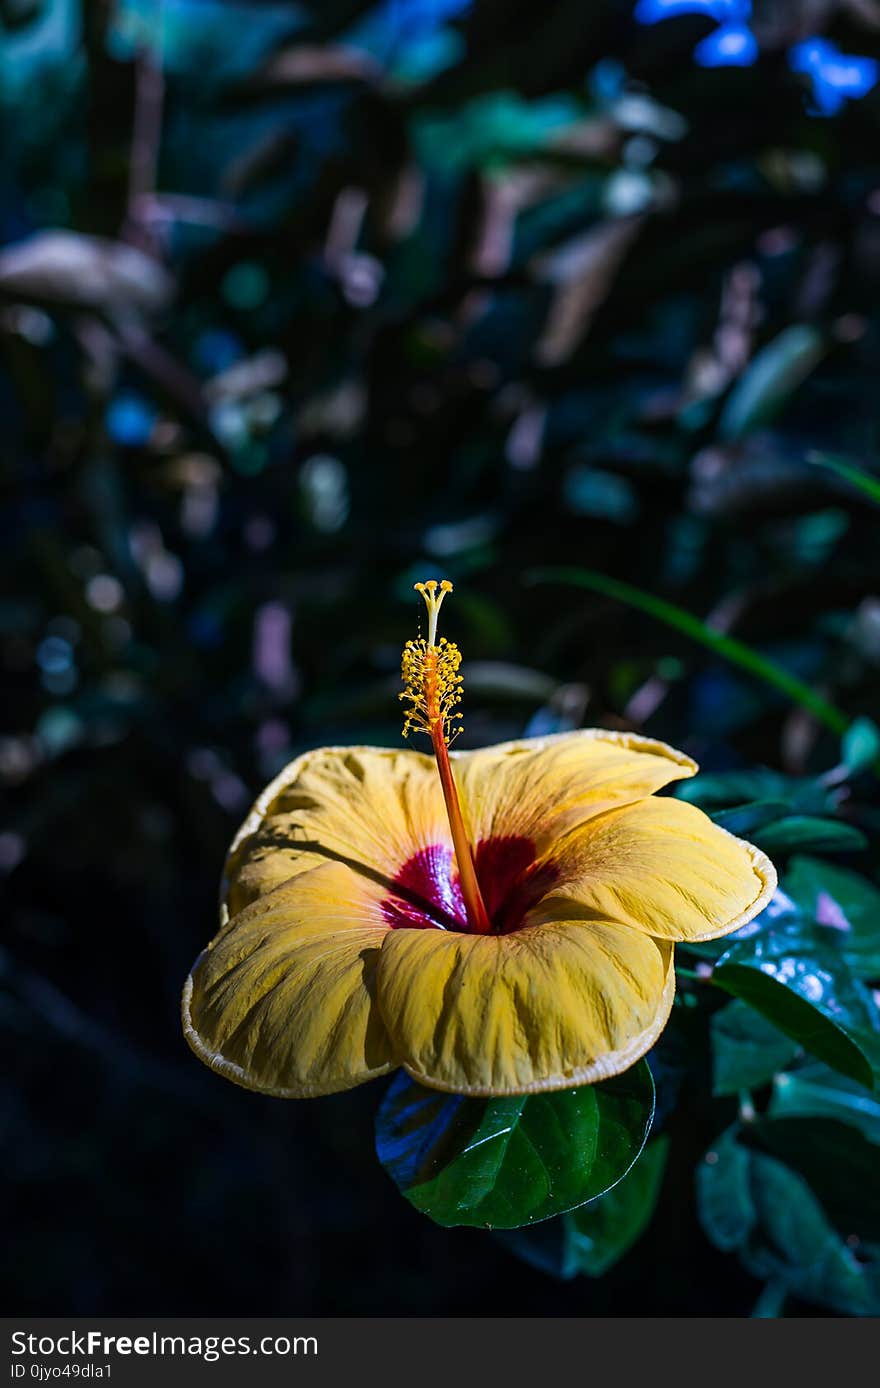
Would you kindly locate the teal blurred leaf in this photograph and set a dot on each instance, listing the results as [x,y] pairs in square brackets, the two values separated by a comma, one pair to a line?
[505,1162]
[719,791]
[809,832]
[747,1050]
[843,902]
[499,679]
[815,1091]
[491,130]
[17,14]
[754,1204]
[769,381]
[861,745]
[838,1162]
[748,819]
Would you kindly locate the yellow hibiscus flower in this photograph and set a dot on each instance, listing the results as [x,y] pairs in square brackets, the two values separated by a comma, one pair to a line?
[495,922]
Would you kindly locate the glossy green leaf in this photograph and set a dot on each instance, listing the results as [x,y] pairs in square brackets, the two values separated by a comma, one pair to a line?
[810,832]
[599,1234]
[790,975]
[747,1050]
[502,1163]
[590,1240]
[846,904]
[755,1204]
[815,1091]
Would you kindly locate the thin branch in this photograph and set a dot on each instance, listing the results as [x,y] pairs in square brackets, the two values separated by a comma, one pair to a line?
[146,140]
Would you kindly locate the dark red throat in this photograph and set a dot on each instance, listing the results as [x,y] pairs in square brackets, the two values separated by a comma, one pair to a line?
[510,878]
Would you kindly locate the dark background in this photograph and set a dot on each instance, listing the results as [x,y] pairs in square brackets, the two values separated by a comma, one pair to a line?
[300,303]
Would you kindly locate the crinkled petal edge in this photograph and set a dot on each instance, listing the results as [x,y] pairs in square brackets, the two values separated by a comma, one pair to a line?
[238,1075]
[603,1069]
[766,875]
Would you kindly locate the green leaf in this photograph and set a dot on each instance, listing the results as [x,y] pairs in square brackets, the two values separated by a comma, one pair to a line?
[748,819]
[501,1163]
[502,679]
[747,1050]
[770,379]
[861,745]
[724,1195]
[755,1204]
[599,1234]
[869,486]
[846,904]
[836,1160]
[721,789]
[810,832]
[814,1091]
[491,130]
[788,974]
[590,1240]
[727,647]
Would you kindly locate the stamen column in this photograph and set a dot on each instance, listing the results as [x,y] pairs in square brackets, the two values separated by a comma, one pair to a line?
[432,690]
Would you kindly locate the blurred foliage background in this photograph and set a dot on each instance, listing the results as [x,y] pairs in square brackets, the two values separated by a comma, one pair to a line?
[299,303]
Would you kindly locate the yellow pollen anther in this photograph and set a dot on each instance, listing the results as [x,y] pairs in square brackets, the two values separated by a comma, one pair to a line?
[432,684]
[432,688]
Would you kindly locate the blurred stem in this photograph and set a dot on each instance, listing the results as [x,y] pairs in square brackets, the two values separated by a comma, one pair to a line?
[746,1106]
[770,1305]
[146,139]
[736,652]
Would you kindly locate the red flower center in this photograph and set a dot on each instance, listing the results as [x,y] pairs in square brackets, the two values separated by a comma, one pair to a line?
[428,892]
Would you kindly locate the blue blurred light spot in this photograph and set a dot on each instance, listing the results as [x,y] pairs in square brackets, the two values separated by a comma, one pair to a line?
[392,30]
[130,420]
[218,349]
[607,79]
[54,655]
[428,54]
[836,77]
[722,11]
[731,45]
[425,14]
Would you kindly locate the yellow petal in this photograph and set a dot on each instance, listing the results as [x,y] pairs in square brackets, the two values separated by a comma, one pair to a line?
[539,788]
[662,867]
[283,999]
[370,807]
[375,808]
[546,1007]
